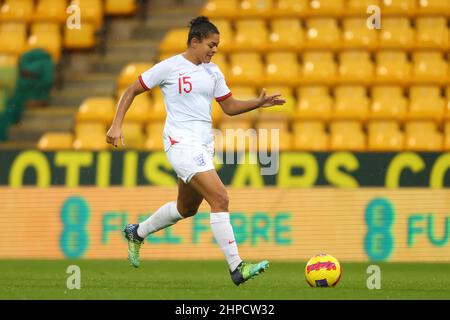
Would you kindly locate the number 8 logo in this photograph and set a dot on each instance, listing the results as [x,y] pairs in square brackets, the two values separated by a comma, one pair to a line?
[74,238]
[379,241]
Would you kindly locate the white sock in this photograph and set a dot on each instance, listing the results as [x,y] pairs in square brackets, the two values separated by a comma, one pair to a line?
[224,235]
[165,216]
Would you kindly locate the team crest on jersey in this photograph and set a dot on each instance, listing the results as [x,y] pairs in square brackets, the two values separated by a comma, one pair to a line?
[199,160]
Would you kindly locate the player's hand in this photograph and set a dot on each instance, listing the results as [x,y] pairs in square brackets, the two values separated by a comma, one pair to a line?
[113,136]
[269,101]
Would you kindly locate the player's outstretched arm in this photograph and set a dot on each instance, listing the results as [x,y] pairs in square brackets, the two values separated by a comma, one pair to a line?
[114,133]
[234,107]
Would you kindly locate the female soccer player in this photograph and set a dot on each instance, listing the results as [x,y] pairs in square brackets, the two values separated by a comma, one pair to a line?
[189,82]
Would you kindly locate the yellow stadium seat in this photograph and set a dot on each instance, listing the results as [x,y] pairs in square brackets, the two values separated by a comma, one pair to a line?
[290,8]
[172,41]
[246,68]
[314,103]
[357,35]
[265,132]
[120,7]
[83,38]
[392,66]
[158,111]
[326,7]
[423,136]
[310,136]
[243,92]
[426,103]
[100,109]
[282,68]
[141,109]
[318,66]
[256,8]
[351,103]
[90,136]
[236,135]
[133,135]
[17,10]
[51,11]
[92,142]
[396,33]
[359,7]
[322,33]
[235,124]
[131,72]
[447,136]
[385,136]
[13,37]
[55,141]
[221,9]
[398,7]
[430,66]
[286,34]
[269,124]
[154,141]
[251,35]
[388,103]
[432,32]
[222,63]
[356,66]
[95,127]
[433,6]
[285,111]
[46,36]
[347,136]
[91,11]
[226,35]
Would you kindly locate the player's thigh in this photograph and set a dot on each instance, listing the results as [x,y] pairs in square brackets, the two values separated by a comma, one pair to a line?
[209,185]
[188,199]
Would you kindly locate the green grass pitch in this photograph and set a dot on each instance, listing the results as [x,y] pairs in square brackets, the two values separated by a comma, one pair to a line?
[187,280]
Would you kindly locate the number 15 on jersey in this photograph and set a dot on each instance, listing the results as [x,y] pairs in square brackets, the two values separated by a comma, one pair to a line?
[184,84]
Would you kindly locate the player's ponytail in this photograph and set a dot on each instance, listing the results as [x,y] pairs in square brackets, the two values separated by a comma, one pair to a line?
[200,28]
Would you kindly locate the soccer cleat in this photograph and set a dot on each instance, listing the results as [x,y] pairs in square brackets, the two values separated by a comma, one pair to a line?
[246,271]
[134,244]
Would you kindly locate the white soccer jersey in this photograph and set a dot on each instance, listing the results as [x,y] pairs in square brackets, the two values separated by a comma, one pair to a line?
[188,92]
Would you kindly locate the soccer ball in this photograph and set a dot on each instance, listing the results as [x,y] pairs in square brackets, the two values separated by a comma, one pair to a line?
[323,270]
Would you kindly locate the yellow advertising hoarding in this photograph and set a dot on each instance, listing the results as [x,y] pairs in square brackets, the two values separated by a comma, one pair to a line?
[270,223]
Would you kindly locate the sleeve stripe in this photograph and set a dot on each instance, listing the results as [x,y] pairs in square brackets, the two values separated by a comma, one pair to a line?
[143,83]
[224,97]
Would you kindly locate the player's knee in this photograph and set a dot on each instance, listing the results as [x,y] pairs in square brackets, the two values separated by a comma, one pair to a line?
[187,209]
[189,212]
[221,202]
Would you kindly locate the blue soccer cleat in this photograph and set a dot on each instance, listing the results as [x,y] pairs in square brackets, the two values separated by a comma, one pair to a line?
[246,271]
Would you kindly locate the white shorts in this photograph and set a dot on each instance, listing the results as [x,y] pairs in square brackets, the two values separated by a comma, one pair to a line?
[189,158]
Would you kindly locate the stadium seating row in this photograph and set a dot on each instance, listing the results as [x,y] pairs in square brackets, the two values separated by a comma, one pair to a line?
[322,33]
[235,9]
[15,39]
[58,10]
[288,68]
[22,28]
[305,135]
[308,103]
